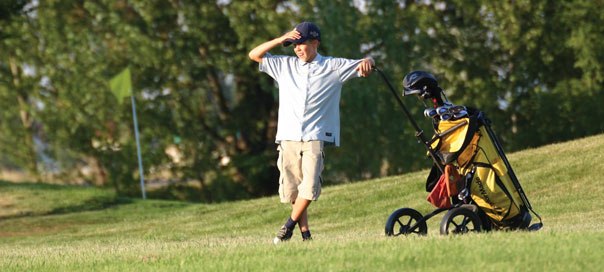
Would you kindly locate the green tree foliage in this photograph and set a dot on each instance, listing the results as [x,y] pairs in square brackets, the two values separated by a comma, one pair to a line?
[207,116]
[18,116]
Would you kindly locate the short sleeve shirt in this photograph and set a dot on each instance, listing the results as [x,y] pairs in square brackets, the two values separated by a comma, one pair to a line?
[309,95]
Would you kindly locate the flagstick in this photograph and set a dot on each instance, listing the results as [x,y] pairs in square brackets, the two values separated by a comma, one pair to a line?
[138,147]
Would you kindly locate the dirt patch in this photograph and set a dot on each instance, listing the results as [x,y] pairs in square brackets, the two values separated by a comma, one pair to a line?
[7,205]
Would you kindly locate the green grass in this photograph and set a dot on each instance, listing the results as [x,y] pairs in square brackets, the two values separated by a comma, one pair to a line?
[68,228]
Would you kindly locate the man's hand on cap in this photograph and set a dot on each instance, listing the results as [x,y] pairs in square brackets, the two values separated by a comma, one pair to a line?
[291,35]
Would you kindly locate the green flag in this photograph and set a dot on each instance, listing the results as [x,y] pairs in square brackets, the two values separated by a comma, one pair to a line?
[121,85]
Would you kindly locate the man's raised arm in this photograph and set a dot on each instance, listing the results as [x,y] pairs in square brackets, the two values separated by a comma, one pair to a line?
[258,52]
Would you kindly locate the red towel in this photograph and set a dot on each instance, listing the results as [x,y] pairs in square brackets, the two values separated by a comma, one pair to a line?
[440,196]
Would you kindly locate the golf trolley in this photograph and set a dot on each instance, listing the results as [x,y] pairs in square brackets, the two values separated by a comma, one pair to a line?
[471,178]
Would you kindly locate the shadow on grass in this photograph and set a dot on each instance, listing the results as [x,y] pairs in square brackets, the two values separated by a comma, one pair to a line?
[94,203]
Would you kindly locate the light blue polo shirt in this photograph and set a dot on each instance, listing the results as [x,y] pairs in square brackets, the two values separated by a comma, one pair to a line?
[309,95]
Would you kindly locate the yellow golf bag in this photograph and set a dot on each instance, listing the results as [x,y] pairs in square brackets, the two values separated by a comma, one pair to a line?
[468,145]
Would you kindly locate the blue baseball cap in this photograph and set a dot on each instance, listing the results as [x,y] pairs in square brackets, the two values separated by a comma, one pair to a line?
[308,31]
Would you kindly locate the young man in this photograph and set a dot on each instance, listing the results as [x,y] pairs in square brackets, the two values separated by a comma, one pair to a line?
[309,115]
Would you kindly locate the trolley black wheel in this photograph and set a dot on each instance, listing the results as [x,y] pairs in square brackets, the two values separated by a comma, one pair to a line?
[460,220]
[402,220]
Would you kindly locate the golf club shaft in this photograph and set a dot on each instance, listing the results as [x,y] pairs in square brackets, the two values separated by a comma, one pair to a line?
[419,133]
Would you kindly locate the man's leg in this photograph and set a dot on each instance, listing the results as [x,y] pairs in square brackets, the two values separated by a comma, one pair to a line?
[303,224]
[290,167]
[303,221]
[299,213]
[310,188]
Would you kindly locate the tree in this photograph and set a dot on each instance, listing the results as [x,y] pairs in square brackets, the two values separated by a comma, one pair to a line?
[207,116]
[18,124]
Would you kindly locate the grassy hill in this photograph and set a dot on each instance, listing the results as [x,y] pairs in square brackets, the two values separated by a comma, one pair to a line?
[67,228]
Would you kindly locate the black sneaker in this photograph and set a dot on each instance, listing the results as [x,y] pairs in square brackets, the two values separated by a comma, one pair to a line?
[283,235]
[306,236]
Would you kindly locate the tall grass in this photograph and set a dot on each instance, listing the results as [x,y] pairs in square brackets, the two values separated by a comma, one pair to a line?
[57,228]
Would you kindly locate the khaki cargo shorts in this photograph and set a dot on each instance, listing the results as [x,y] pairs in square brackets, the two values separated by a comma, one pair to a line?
[300,165]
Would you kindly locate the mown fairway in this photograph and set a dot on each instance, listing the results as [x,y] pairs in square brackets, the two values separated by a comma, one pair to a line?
[64,228]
